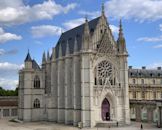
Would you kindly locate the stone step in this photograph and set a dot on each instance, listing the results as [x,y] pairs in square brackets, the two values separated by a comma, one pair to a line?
[108,124]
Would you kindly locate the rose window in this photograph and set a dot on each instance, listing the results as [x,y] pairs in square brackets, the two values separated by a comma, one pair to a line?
[104,70]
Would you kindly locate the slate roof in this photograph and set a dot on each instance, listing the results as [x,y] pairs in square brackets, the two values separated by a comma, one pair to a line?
[70,35]
[28,57]
[35,65]
[145,73]
[8,103]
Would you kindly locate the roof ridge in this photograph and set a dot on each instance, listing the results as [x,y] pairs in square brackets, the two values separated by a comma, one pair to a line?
[81,25]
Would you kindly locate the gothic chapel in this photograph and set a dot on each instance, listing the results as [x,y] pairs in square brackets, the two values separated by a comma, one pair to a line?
[84,80]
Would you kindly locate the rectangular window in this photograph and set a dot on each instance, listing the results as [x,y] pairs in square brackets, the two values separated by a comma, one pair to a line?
[6,112]
[154,95]
[134,95]
[14,112]
[143,95]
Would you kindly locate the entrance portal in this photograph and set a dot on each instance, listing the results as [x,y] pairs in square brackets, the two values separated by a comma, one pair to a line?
[105,110]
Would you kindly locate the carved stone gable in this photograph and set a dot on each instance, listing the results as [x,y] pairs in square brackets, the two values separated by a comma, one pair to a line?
[106,46]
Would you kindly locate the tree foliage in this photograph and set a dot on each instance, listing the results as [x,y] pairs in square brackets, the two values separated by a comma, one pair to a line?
[4,92]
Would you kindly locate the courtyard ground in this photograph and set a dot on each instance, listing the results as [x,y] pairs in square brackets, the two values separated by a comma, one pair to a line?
[7,125]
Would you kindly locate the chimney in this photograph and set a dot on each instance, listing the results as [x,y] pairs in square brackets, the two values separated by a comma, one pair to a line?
[158,68]
[143,67]
[130,67]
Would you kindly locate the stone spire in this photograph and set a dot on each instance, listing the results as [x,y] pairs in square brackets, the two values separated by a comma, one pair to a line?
[54,54]
[75,45]
[103,9]
[44,58]
[28,57]
[121,30]
[48,57]
[67,48]
[60,51]
[121,40]
[86,35]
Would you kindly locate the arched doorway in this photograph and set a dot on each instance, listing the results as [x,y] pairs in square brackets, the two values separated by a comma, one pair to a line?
[105,109]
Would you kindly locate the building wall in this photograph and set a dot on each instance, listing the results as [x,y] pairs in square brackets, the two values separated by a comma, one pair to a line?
[144,92]
[8,107]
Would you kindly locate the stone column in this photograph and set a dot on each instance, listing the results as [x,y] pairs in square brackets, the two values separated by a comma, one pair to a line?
[68,88]
[150,114]
[54,87]
[76,89]
[138,113]
[87,91]
[160,116]
[60,78]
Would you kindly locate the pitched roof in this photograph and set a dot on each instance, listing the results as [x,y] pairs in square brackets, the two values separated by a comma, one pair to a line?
[8,103]
[145,73]
[35,65]
[70,35]
[28,57]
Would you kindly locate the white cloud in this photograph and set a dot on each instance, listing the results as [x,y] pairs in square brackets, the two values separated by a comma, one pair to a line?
[11,52]
[45,30]
[73,23]
[139,10]
[11,14]
[160,27]
[157,46]
[8,83]
[114,29]
[92,14]
[5,36]
[9,66]
[9,74]
[150,39]
[154,65]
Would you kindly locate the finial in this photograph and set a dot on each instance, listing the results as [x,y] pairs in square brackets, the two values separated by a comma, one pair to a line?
[54,54]
[86,18]
[120,29]
[103,8]
[75,45]
[60,51]
[48,56]
[67,48]
[44,57]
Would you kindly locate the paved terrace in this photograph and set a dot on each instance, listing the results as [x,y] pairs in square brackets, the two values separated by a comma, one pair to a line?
[6,125]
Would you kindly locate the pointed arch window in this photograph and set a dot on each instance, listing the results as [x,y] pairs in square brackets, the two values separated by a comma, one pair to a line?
[37,82]
[36,103]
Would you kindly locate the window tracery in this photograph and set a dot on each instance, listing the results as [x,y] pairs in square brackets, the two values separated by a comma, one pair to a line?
[36,103]
[104,72]
[36,82]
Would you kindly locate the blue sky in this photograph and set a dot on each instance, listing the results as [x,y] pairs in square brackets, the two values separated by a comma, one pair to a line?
[37,25]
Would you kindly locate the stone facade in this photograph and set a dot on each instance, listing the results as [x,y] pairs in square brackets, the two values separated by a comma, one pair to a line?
[8,107]
[145,94]
[86,68]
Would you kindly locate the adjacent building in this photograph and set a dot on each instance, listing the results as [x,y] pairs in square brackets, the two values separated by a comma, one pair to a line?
[8,107]
[145,94]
